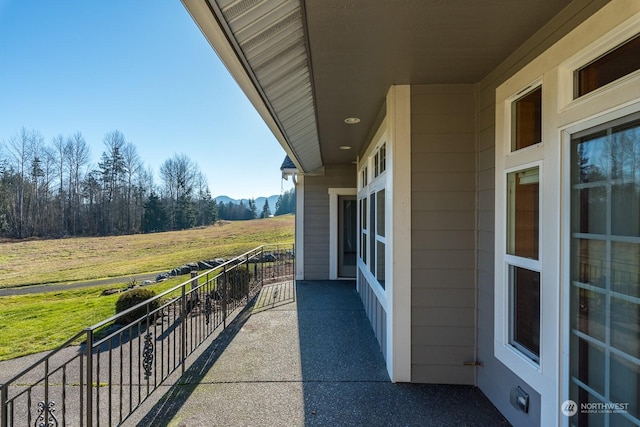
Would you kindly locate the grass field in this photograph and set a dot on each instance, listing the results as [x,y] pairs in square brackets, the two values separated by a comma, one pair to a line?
[34,323]
[76,259]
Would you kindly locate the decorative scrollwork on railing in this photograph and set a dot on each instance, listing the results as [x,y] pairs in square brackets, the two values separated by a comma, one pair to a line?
[207,308]
[147,355]
[46,416]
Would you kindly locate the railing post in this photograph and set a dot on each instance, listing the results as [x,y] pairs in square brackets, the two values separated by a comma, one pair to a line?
[194,281]
[4,413]
[89,357]
[46,401]
[262,266]
[224,297]
[248,277]
[183,327]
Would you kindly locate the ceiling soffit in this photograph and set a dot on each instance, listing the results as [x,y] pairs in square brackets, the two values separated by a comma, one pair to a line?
[359,48]
[270,36]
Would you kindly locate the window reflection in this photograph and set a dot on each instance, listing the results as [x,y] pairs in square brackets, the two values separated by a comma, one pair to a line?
[605,267]
[525,306]
[523,200]
[526,117]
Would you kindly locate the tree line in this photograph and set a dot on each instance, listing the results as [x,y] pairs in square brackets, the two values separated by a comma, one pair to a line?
[53,190]
[285,204]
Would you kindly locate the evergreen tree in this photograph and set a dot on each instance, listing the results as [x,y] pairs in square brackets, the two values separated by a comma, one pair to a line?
[155,218]
[186,213]
[253,210]
[286,203]
[266,210]
[207,209]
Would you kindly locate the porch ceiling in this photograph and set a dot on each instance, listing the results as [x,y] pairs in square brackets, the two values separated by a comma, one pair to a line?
[313,63]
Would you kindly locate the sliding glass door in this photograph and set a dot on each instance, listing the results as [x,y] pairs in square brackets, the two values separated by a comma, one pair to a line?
[605,274]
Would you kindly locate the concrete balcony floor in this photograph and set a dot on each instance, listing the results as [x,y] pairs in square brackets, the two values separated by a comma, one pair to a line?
[305,355]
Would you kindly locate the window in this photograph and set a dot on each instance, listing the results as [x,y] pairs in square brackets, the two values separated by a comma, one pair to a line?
[380,240]
[518,262]
[523,213]
[372,240]
[372,205]
[380,160]
[374,235]
[617,63]
[363,177]
[604,342]
[524,331]
[376,164]
[526,120]
[363,230]
[380,201]
[523,223]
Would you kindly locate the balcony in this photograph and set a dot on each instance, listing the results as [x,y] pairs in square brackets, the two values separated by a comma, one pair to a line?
[300,353]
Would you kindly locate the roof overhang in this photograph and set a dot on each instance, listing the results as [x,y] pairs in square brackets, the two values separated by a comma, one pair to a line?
[263,45]
[307,65]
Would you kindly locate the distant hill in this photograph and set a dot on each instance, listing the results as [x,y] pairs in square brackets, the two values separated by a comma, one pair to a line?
[259,202]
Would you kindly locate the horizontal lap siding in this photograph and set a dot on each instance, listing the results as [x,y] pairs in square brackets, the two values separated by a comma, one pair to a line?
[316,217]
[443,201]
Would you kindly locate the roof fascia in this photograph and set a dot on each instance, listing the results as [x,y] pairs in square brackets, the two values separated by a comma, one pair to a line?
[206,19]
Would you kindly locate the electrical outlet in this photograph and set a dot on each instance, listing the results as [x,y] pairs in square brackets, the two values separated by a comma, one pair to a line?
[519,399]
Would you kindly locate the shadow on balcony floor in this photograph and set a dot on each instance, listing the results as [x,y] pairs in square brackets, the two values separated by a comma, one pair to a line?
[305,355]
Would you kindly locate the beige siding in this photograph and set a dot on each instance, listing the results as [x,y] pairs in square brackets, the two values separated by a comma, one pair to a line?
[316,217]
[443,173]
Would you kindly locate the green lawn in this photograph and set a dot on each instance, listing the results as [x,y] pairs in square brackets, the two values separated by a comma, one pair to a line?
[34,323]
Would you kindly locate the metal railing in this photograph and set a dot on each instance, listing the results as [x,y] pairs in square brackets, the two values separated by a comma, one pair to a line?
[118,366]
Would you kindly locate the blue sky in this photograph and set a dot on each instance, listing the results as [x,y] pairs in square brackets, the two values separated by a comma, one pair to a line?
[141,67]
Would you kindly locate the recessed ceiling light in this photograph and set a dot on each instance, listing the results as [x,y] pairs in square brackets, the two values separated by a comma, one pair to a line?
[352,120]
[345,147]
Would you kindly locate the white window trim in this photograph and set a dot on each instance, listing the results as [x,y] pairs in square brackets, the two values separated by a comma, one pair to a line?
[613,38]
[507,124]
[521,262]
[364,192]
[505,350]
[334,194]
[542,375]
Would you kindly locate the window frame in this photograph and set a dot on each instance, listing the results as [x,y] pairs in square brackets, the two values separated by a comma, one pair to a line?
[577,71]
[567,101]
[530,264]
[530,367]
[367,197]
[513,125]
[511,213]
[591,124]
